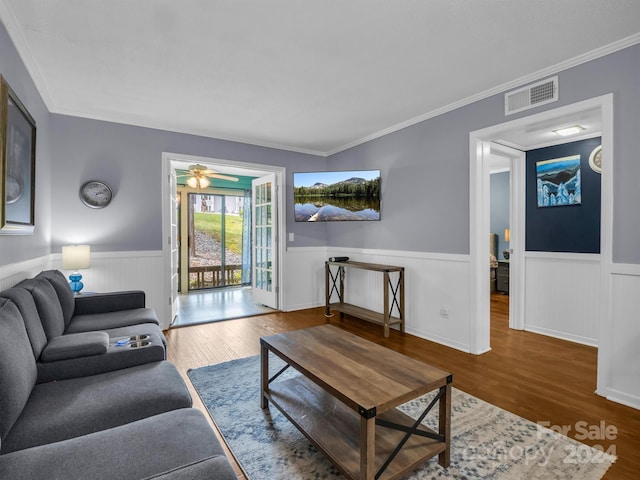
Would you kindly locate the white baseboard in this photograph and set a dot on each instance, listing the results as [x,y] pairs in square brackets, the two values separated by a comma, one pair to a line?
[592,342]
[617,396]
[441,340]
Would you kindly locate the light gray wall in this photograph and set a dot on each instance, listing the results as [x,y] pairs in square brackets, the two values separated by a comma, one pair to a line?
[129,159]
[24,247]
[425,167]
[500,208]
[425,171]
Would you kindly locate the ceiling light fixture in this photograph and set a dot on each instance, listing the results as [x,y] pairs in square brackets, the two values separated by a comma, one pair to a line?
[199,176]
[566,131]
[198,182]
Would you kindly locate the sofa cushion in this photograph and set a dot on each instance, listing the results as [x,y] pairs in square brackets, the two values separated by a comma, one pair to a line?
[75,345]
[48,305]
[30,316]
[115,357]
[65,296]
[17,366]
[110,320]
[217,468]
[70,408]
[178,444]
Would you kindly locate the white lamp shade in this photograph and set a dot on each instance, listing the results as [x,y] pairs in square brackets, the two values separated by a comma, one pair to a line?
[198,182]
[76,257]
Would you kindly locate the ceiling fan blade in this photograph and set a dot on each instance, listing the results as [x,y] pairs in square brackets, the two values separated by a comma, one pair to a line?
[223,177]
[202,171]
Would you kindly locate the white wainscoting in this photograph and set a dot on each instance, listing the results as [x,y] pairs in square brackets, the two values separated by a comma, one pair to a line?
[562,295]
[110,271]
[12,274]
[624,378]
[303,278]
[113,271]
[432,282]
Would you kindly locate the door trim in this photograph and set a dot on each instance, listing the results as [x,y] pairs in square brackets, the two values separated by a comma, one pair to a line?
[174,160]
[479,303]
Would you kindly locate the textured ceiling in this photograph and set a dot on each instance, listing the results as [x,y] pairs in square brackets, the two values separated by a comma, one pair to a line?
[314,75]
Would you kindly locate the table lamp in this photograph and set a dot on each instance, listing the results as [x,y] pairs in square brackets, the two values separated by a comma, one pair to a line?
[76,257]
[507,238]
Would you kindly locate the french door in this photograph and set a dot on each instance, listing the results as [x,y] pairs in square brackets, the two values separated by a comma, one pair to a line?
[174,244]
[264,251]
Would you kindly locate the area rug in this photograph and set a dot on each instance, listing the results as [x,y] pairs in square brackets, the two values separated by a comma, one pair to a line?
[486,442]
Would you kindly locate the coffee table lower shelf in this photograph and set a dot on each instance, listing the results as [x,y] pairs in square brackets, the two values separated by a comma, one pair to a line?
[335,429]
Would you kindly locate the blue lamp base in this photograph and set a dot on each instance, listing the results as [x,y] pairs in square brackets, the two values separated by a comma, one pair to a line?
[75,283]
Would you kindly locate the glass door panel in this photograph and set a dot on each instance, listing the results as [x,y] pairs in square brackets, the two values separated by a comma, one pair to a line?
[215,240]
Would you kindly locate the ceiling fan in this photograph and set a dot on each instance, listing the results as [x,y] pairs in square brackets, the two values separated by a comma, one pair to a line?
[199,176]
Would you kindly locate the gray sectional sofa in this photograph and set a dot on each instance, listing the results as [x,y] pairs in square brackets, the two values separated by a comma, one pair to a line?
[101,403]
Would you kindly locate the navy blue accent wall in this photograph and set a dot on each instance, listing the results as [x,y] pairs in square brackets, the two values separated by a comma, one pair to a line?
[573,228]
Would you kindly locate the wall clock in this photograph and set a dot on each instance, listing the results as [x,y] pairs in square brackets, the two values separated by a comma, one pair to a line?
[95,194]
[595,159]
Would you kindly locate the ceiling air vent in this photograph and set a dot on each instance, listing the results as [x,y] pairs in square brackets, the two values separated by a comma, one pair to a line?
[531,96]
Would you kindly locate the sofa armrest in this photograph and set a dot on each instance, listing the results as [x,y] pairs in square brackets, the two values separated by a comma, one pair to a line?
[75,345]
[109,302]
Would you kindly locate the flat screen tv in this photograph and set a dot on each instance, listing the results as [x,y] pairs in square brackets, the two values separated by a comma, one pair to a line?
[337,196]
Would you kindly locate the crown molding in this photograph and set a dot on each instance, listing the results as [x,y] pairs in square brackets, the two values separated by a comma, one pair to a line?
[133,121]
[16,33]
[522,81]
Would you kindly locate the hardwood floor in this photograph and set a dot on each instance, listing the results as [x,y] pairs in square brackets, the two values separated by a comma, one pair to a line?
[537,377]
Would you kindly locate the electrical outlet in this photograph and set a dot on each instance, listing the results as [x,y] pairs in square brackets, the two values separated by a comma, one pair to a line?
[292,237]
[444,312]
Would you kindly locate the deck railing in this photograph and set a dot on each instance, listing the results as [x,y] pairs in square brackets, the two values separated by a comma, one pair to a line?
[208,276]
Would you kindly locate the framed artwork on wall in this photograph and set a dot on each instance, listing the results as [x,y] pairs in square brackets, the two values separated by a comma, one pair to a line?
[17,164]
[559,182]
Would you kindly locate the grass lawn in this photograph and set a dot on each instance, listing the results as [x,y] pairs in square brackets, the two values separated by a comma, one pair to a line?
[211,223]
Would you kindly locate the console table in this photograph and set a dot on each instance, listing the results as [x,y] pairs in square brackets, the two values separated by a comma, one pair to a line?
[394,284]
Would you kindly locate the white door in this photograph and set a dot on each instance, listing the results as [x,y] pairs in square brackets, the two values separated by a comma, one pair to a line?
[264,250]
[174,243]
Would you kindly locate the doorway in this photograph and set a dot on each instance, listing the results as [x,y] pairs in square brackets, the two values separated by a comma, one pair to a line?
[499,239]
[208,202]
[215,238]
[600,110]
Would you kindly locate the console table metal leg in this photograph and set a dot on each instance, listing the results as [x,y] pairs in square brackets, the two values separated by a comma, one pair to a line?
[386,304]
[401,302]
[327,290]
[342,274]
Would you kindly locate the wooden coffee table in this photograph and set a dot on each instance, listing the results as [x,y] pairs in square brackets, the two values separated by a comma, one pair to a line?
[345,401]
